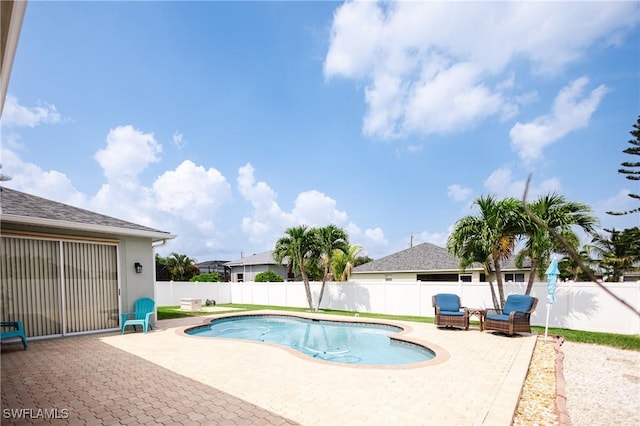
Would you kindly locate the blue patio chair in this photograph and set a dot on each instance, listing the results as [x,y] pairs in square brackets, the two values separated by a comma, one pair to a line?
[17,330]
[144,308]
[449,313]
[515,316]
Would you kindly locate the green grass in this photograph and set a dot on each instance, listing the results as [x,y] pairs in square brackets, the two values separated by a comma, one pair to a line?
[621,341]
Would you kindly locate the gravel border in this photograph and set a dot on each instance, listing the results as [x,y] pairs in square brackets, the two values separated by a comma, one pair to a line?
[602,384]
[581,384]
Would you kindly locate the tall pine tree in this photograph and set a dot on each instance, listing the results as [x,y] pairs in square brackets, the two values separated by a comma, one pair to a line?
[631,169]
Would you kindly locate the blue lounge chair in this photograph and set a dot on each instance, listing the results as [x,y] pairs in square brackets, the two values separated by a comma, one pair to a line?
[449,313]
[17,331]
[515,316]
[144,308]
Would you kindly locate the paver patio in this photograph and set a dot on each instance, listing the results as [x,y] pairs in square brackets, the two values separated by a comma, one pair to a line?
[167,377]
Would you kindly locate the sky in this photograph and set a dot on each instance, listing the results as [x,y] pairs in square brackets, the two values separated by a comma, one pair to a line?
[225,123]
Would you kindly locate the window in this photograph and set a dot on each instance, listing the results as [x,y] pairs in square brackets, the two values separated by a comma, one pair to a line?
[465,278]
[240,277]
[388,277]
[438,277]
[518,278]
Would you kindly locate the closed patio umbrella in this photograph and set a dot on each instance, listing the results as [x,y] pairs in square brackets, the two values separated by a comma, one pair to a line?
[552,282]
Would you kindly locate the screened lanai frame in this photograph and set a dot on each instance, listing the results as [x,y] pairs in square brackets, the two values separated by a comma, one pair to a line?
[59,286]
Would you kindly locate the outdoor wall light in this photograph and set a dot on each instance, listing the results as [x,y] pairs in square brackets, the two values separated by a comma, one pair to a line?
[138,267]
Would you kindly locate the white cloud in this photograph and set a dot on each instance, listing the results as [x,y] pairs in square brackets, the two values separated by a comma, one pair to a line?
[128,152]
[571,111]
[352,49]
[437,238]
[434,67]
[185,201]
[178,140]
[315,209]
[29,177]
[375,235]
[192,192]
[502,183]
[459,193]
[454,98]
[16,115]
[268,221]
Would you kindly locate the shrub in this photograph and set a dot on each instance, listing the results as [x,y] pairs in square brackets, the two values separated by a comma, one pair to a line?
[207,278]
[268,276]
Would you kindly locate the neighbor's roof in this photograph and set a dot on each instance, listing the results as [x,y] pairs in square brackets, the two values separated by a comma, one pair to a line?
[421,258]
[26,209]
[208,263]
[264,258]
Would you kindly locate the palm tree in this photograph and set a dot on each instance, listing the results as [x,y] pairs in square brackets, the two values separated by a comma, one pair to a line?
[619,253]
[299,247]
[181,267]
[330,239]
[344,262]
[555,213]
[488,238]
[571,270]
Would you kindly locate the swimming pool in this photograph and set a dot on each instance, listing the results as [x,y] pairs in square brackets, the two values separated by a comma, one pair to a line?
[336,341]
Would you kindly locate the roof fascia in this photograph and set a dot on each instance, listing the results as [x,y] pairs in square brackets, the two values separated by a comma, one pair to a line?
[13,34]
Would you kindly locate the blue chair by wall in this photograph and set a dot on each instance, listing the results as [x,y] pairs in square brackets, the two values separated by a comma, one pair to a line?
[16,330]
[514,318]
[449,313]
[143,309]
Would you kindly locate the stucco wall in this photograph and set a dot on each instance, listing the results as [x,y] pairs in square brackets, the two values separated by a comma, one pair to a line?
[133,285]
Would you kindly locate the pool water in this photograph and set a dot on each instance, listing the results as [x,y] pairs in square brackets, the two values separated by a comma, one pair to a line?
[337,341]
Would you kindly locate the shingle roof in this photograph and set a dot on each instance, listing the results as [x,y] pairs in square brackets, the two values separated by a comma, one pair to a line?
[423,257]
[16,206]
[420,258]
[264,258]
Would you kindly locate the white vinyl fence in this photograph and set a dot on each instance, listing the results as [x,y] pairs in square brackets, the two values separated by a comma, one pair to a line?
[579,306]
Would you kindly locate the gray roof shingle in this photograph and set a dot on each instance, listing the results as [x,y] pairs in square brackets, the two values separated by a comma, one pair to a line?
[420,258]
[19,204]
[423,257]
[264,258]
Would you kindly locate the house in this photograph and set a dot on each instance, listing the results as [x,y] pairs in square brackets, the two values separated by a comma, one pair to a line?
[218,266]
[246,268]
[66,270]
[428,262]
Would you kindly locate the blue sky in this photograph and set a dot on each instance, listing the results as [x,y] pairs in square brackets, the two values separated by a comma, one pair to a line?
[228,122]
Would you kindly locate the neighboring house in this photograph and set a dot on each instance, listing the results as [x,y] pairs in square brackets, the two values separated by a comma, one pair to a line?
[66,270]
[246,268]
[428,262]
[218,266]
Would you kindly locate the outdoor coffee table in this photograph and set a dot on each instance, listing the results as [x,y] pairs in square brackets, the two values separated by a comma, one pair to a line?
[478,312]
